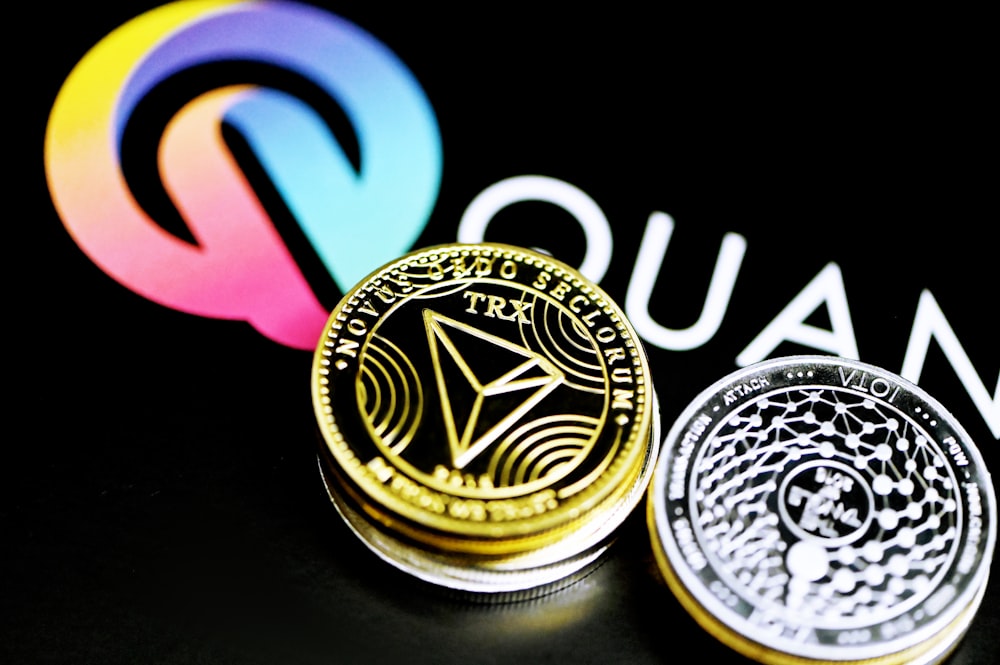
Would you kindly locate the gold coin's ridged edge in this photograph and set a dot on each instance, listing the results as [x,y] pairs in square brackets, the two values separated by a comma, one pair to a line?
[510,542]
[533,532]
[491,579]
[626,496]
[480,579]
[933,650]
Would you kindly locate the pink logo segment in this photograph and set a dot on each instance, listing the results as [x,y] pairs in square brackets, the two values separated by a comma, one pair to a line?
[239,267]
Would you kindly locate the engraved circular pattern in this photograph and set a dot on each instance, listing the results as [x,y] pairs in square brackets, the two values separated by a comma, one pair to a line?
[825,500]
[823,508]
[907,547]
[483,398]
[528,458]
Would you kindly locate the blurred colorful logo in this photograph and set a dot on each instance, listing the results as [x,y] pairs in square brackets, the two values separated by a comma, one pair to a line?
[235,264]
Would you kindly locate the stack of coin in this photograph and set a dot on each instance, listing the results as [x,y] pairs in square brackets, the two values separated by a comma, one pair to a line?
[487,418]
[813,509]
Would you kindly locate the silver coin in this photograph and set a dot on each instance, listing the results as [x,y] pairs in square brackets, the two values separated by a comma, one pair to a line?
[822,508]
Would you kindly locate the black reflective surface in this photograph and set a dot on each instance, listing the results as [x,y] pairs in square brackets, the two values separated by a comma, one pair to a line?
[161,502]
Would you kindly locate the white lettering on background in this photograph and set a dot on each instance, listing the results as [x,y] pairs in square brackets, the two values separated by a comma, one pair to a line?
[496,197]
[648,264]
[928,322]
[827,288]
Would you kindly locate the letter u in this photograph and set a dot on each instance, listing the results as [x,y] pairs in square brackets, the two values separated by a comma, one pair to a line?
[647,267]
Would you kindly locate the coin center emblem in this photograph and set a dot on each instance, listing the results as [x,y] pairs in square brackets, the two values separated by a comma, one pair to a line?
[521,383]
[825,500]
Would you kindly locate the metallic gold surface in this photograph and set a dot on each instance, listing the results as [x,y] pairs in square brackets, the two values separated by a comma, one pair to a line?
[482,404]
[814,509]
[512,577]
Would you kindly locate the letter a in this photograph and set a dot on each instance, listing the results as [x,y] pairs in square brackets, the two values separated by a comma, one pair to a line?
[826,287]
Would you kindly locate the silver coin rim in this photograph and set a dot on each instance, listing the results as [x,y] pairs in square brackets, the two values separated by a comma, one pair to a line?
[693,584]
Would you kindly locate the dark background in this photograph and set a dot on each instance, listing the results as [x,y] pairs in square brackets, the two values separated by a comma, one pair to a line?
[161,502]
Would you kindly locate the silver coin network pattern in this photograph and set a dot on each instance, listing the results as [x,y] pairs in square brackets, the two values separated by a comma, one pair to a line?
[824,507]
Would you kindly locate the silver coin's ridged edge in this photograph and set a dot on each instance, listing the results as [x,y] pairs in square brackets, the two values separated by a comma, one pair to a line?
[934,633]
[933,651]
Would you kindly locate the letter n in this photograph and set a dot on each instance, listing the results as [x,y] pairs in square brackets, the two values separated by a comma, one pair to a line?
[928,322]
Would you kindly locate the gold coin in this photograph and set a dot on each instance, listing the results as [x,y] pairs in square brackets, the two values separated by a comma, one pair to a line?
[483,400]
[511,577]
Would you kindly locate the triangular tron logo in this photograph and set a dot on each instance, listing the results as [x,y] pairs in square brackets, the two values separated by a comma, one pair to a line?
[472,417]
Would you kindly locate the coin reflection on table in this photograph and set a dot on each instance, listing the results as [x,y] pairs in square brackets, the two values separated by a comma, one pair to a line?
[487,418]
[813,509]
